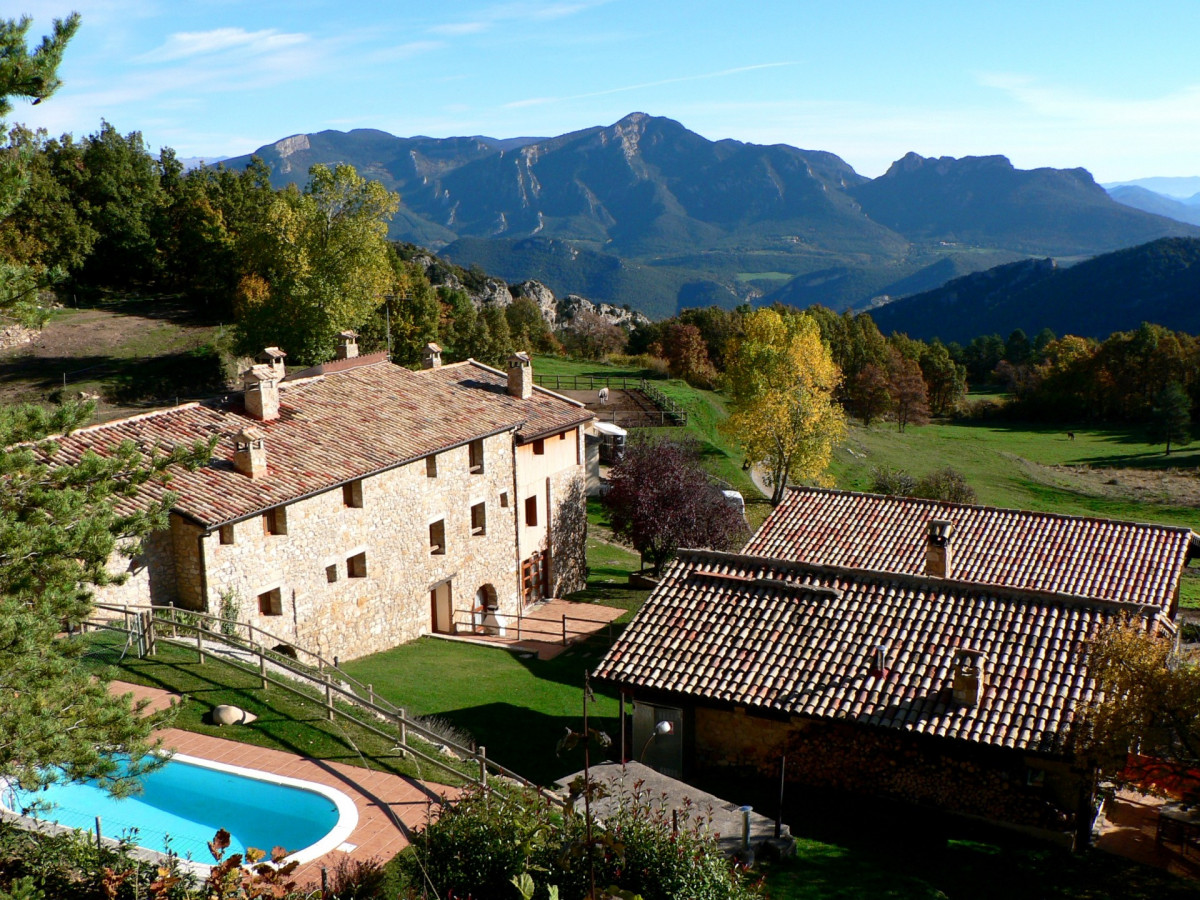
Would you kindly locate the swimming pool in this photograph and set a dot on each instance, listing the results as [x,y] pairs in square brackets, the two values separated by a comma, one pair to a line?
[184,802]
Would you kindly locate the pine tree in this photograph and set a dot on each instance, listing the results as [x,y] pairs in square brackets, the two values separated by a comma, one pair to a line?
[60,522]
[1172,416]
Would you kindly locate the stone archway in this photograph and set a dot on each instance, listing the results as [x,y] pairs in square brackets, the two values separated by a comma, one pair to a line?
[484,609]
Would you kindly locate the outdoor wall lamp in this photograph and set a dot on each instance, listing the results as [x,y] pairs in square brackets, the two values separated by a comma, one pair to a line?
[663,727]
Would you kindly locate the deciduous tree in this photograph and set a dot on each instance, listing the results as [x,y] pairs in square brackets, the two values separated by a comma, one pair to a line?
[660,499]
[781,378]
[868,394]
[1172,416]
[910,398]
[322,265]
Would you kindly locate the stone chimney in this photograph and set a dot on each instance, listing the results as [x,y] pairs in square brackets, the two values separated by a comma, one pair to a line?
[432,357]
[262,393]
[520,376]
[879,661]
[250,452]
[347,345]
[969,680]
[273,357]
[938,547]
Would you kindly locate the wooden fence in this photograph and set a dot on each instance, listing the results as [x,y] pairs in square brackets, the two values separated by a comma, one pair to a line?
[669,413]
[559,628]
[327,684]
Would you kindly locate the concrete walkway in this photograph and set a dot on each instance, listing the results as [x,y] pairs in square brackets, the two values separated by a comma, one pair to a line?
[691,806]
[390,807]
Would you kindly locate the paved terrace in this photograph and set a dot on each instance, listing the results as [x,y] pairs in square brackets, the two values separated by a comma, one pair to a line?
[542,627]
[390,807]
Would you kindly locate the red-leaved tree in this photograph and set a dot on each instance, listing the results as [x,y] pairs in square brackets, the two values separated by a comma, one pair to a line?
[660,499]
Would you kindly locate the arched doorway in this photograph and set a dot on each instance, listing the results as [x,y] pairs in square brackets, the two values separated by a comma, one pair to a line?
[484,610]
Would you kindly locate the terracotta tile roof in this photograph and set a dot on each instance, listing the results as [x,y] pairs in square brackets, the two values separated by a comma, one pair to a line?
[544,413]
[1101,558]
[332,429]
[772,635]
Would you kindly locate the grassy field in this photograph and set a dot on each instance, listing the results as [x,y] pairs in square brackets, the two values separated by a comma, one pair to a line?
[285,721]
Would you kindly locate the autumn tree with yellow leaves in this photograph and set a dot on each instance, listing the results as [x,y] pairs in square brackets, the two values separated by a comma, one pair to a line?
[780,378]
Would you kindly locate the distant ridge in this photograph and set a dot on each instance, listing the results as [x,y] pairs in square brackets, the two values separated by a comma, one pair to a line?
[1156,282]
[691,219]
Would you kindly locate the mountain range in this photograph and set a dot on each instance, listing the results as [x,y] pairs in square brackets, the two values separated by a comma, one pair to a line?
[646,213]
[1157,282]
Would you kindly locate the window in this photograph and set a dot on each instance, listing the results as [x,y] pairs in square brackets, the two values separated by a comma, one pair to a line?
[478,519]
[275,521]
[431,465]
[352,494]
[356,565]
[539,447]
[531,510]
[504,499]
[270,603]
[562,435]
[437,537]
[226,534]
[475,451]
[331,573]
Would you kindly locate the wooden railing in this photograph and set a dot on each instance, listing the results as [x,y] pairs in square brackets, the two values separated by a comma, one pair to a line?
[327,684]
[561,630]
[668,413]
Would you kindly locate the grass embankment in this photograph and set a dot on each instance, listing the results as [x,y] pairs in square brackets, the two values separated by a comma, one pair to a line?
[285,721]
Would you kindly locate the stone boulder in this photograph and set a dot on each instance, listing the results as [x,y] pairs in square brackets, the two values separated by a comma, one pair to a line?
[231,715]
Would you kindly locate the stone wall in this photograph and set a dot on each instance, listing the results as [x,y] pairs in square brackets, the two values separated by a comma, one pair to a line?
[557,480]
[352,616]
[993,783]
[149,578]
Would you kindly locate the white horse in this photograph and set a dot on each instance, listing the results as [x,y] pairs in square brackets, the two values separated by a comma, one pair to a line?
[603,395]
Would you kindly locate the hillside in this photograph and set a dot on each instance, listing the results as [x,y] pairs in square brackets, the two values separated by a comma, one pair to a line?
[678,216]
[1159,204]
[1156,282]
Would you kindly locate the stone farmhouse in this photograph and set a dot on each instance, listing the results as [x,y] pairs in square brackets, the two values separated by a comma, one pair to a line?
[928,652]
[357,505]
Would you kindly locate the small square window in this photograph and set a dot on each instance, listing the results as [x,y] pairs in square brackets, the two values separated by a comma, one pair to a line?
[478,519]
[226,534]
[352,494]
[275,521]
[431,465]
[270,603]
[562,435]
[531,510]
[331,573]
[475,452]
[356,566]
[539,447]
[504,499]
[437,537]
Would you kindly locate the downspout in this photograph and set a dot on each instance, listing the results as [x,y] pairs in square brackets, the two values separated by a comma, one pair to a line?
[203,572]
[517,530]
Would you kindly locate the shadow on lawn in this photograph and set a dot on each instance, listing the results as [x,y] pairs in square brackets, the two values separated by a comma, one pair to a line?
[525,740]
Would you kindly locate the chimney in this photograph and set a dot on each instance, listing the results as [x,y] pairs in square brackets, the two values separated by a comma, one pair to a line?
[968,677]
[250,452]
[432,357]
[938,547]
[520,376]
[273,357]
[347,344]
[879,661]
[262,393]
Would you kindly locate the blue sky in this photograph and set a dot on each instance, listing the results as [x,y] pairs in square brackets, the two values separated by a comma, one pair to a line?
[1111,87]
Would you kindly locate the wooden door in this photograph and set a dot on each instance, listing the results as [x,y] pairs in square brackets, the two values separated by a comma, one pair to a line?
[442,608]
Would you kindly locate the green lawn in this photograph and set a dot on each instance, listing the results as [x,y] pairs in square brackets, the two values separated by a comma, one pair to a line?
[285,721]
[907,867]
[1008,464]
[514,704]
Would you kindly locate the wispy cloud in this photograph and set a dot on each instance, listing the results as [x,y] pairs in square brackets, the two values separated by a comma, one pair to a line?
[405,51]
[1071,105]
[190,44]
[455,29]
[537,101]
[514,12]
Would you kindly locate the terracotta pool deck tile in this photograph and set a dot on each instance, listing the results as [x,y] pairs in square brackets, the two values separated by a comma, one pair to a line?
[389,806]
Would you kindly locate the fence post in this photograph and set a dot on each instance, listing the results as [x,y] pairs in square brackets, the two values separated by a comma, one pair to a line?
[564,631]
[262,668]
[403,732]
[99,838]
[200,642]
[482,754]
[329,695]
[371,694]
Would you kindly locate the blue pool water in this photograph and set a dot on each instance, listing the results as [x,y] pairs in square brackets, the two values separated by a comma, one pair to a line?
[183,803]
